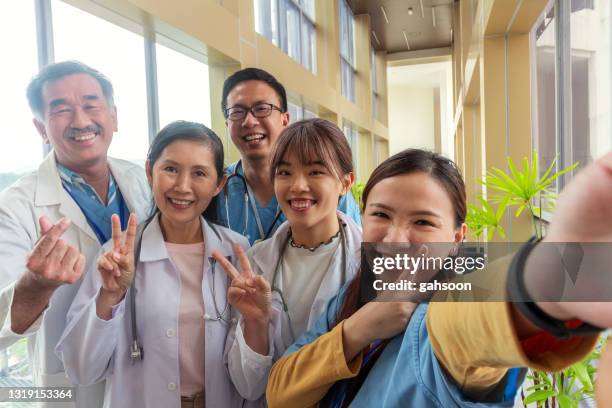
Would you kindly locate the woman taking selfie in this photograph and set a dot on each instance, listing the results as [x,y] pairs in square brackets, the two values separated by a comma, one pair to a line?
[390,354]
[153,319]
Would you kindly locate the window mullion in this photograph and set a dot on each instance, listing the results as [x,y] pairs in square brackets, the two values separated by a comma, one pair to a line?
[44,32]
[563,108]
[44,40]
[151,79]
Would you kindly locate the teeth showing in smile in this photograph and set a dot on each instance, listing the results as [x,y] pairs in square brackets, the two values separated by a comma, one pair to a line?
[255,136]
[180,202]
[84,137]
[301,204]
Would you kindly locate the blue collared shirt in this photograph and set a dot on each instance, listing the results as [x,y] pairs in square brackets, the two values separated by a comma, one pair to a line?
[234,203]
[97,214]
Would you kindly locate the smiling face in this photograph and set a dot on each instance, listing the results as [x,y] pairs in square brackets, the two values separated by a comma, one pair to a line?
[253,136]
[183,181]
[77,121]
[410,208]
[308,194]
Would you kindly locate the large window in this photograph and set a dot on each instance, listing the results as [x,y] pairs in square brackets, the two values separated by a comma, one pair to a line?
[289,24]
[184,91]
[347,50]
[81,36]
[572,71]
[22,148]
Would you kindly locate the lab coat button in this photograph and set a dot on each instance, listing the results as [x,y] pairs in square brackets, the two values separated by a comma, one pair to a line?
[171,386]
[170,333]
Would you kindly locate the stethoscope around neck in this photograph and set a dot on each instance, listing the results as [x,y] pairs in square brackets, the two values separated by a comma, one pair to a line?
[136,349]
[249,200]
[279,266]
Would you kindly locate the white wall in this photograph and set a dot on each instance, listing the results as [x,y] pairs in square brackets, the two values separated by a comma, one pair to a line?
[411,118]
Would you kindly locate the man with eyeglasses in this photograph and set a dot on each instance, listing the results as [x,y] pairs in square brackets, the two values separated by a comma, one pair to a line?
[255,107]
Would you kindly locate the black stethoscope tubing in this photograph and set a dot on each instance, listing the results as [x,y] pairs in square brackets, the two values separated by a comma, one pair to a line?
[136,349]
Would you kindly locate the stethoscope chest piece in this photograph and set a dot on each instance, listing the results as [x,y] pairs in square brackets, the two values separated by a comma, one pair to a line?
[135,352]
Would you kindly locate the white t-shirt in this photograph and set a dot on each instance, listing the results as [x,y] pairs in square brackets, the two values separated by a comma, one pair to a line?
[303,271]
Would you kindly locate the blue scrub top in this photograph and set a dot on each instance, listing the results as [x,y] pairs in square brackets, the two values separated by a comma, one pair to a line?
[407,372]
[232,201]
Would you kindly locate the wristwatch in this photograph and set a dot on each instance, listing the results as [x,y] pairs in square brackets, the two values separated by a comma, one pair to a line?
[529,309]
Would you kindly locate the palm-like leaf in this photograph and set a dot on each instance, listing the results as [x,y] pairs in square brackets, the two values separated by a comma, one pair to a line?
[520,188]
[485,217]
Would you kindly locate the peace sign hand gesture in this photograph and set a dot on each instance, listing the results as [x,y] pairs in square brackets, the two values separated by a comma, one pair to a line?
[249,293]
[117,265]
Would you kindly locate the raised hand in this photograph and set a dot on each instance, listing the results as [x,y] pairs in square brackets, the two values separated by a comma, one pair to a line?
[248,293]
[116,266]
[51,263]
[376,320]
[583,214]
[54,262]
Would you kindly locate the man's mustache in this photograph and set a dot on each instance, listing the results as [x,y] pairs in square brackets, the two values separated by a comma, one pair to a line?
[72,133]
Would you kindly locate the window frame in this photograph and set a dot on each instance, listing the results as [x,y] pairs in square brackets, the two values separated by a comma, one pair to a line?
[564,92]
[348,64]
[278,14]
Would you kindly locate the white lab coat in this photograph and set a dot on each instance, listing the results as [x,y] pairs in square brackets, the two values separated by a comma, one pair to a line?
[248,369]
[93,349]
[21,205]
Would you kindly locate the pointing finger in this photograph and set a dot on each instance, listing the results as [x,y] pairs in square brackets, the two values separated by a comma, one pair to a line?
[227,265]
[244,261]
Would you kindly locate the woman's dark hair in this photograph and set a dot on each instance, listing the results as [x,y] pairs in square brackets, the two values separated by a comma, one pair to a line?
[314,139]
[409,161]
[191,131]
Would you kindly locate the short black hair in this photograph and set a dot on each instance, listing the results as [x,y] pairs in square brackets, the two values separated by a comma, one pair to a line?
[59,70]
[249,74]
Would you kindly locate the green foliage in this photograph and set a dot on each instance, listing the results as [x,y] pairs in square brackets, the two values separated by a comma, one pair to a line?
[357,191]
[519,189]
[485,217]
[567,387]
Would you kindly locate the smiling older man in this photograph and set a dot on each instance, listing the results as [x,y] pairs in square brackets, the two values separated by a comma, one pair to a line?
[54,221]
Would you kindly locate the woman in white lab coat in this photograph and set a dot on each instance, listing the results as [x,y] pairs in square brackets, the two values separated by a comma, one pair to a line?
[308,259]
[157,334]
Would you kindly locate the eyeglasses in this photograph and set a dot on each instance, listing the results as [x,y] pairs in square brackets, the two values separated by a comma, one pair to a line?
[260,110]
